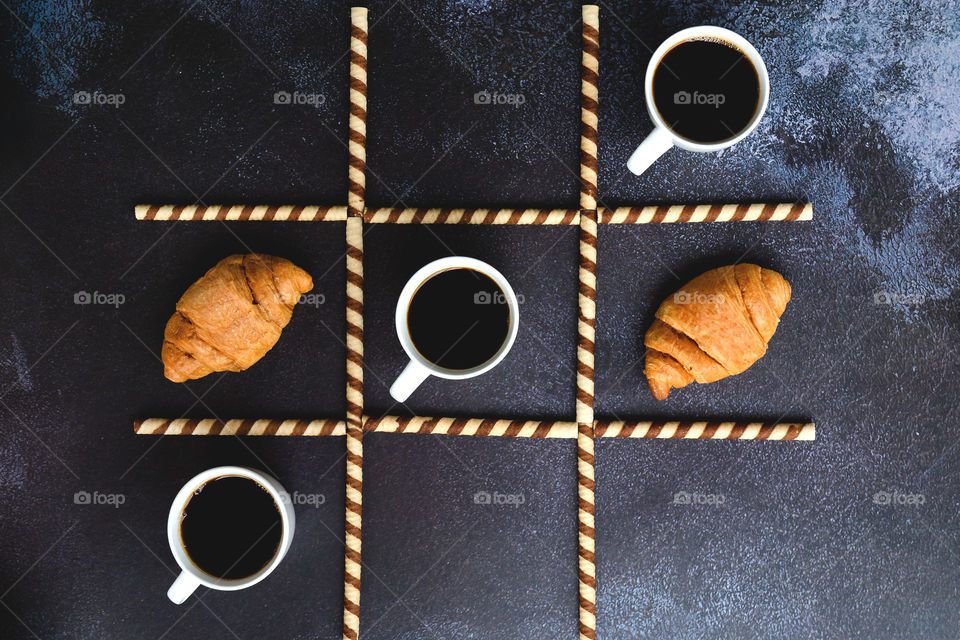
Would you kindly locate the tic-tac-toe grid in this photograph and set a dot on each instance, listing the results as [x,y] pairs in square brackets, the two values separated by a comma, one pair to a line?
[584,428]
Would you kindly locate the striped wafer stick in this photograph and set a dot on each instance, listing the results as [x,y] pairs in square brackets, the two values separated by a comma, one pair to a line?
[473,216]
[355,322]
[651,214]
[589,107]
[786,211]
[706,430]
[210,427]
[472,427]
[589,113]
[239,212]
[357,150]
[357,146]
[701,430]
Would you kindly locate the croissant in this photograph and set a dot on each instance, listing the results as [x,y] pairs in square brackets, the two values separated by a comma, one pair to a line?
[716,326]
[228,319]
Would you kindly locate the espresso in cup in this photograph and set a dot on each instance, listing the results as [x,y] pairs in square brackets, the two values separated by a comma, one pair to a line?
[458,319]
[706,90]
[231,527]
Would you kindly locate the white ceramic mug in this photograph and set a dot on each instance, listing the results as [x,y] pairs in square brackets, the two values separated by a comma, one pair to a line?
[419,368]
[661,139]
[191,576]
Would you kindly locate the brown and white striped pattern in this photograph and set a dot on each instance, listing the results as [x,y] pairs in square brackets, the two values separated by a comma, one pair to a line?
[472,427]
[210,427]
[352,536]
[584,408]
[354,497]
[707,430]
[785,211]
[589,106]
[589,112]
[239,212]
[357,150]
[801,431]
[653,214]
[357,146]
[355,322]
[473,216]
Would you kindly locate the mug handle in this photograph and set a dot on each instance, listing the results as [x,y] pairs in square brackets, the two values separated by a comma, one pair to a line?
[182,587]
[411,378]
[656,144]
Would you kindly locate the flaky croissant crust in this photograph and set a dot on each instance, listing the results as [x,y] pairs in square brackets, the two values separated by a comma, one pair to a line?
[228,319]
[717,325]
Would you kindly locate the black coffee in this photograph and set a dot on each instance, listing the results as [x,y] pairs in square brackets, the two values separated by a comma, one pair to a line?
[458,319]
[706,90]
[231,527]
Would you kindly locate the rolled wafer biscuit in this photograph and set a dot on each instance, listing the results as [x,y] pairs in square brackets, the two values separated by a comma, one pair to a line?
[756,212]
[589,117]
[651,214]
[357,150]
[706,430]
[211,427]
[472,427]
[239,212]
[589,106]
[473,216]
[699,430]
[357,145]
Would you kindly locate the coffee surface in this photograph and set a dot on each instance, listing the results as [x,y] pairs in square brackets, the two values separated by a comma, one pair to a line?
[231,527]
[458,319]
[706,91]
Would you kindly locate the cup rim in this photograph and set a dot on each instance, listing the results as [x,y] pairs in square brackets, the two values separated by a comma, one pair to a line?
[428,271]
[739,42]
[276,491]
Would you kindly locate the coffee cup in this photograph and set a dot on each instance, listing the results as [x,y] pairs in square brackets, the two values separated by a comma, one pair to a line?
[229,527]
[706,89]
[456,318]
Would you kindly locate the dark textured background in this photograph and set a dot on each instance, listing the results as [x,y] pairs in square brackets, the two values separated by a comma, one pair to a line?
[864,121]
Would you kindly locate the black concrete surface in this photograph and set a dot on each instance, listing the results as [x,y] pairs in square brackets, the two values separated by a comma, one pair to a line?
[855,535]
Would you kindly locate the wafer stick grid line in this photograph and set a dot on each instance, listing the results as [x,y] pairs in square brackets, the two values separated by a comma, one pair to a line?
[499,427]
[586,321]
[354,342]
[585,429]
[650,214]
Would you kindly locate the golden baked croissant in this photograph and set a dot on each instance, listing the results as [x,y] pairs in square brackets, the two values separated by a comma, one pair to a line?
[231,317]
[716,326]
